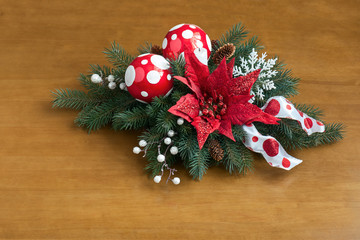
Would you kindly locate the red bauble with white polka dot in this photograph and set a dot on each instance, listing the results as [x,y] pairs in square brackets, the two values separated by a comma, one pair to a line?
[188,36]
[148,76]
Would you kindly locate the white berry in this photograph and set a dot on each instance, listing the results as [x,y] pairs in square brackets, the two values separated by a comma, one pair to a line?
[174,150]
[136,150]
[95,78]
[142,143]
[111,78]
[122,86]
[167,141]
[180,121]
[161,158]
[112,85]
[157,179]
[176,180]
[171,133]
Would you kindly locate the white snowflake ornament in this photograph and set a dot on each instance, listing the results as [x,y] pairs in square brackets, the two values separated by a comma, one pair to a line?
[252,63]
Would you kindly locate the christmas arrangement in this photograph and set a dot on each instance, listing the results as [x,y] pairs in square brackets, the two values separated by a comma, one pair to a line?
[200,102]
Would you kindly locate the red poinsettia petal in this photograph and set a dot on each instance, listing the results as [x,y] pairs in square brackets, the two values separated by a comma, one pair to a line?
[242,113]
[196,72]
[225,129]
[264,118]
[187,107]
[204,126]
[218,80]
[242,85]
[239,99]
[230,68]
[192,85]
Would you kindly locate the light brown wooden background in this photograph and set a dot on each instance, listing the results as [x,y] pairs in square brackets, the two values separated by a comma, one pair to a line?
[57,182]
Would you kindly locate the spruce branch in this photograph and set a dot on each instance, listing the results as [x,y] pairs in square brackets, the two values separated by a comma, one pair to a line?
[234,35]
[333,132]
[246,48]
[165,121]
[310,110]
[187,143]
[237,159]
[95,117]
[145,48]
[96,89]
[291,136]
[159,104]
[285,83]
[238,133]
[73,99]
[151,136]
[153,167]
[135,118]
[199,163]
[177,66]
[118,56]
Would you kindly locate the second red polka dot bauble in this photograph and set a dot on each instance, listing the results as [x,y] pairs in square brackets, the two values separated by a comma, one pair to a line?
[187,36]
[148,76]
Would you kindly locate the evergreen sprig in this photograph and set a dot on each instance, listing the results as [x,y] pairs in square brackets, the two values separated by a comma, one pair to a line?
[237,157]
[118,56]
[234,35]
[95,117]
[135,118]
[145,48]
[73,99]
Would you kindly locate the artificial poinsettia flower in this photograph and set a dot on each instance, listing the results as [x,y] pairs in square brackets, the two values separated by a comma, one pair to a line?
[219,100]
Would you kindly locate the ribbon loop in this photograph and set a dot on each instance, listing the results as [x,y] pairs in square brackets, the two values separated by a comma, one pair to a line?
[268,146]
[280,107]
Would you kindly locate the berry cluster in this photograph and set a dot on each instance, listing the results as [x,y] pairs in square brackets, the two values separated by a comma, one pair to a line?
[213,107]
[161,158]
[109,80]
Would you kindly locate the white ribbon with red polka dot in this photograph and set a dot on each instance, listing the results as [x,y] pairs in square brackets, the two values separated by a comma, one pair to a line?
[268,146]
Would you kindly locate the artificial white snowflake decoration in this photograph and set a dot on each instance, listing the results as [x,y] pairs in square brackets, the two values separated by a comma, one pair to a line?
[253,63]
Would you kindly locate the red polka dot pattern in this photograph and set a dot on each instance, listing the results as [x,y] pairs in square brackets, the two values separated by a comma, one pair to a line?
[319,123]
[285,163]
[271,147]
[308,123]
[301,113]
[273,107]
[185,36]
[148,76]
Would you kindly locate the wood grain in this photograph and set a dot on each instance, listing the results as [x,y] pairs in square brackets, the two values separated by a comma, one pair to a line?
[58,182]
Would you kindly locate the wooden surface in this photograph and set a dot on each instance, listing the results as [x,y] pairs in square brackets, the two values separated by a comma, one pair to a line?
[58,182]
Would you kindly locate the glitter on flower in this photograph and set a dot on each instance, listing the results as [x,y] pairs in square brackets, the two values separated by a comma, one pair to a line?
[219,100]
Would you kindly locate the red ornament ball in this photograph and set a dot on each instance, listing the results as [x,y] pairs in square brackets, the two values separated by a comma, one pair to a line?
[148,76]
[188,36]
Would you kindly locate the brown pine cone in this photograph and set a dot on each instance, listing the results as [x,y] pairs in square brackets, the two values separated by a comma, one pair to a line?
[215,44]
[225,51]
[155,49]
[215,150]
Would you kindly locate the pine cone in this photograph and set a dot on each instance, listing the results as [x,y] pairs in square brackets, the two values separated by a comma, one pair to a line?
[225,51]
[215,44]
[216,152]
[156,50]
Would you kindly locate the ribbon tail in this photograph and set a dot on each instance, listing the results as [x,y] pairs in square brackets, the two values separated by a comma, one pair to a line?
[269,147]
[280,107]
